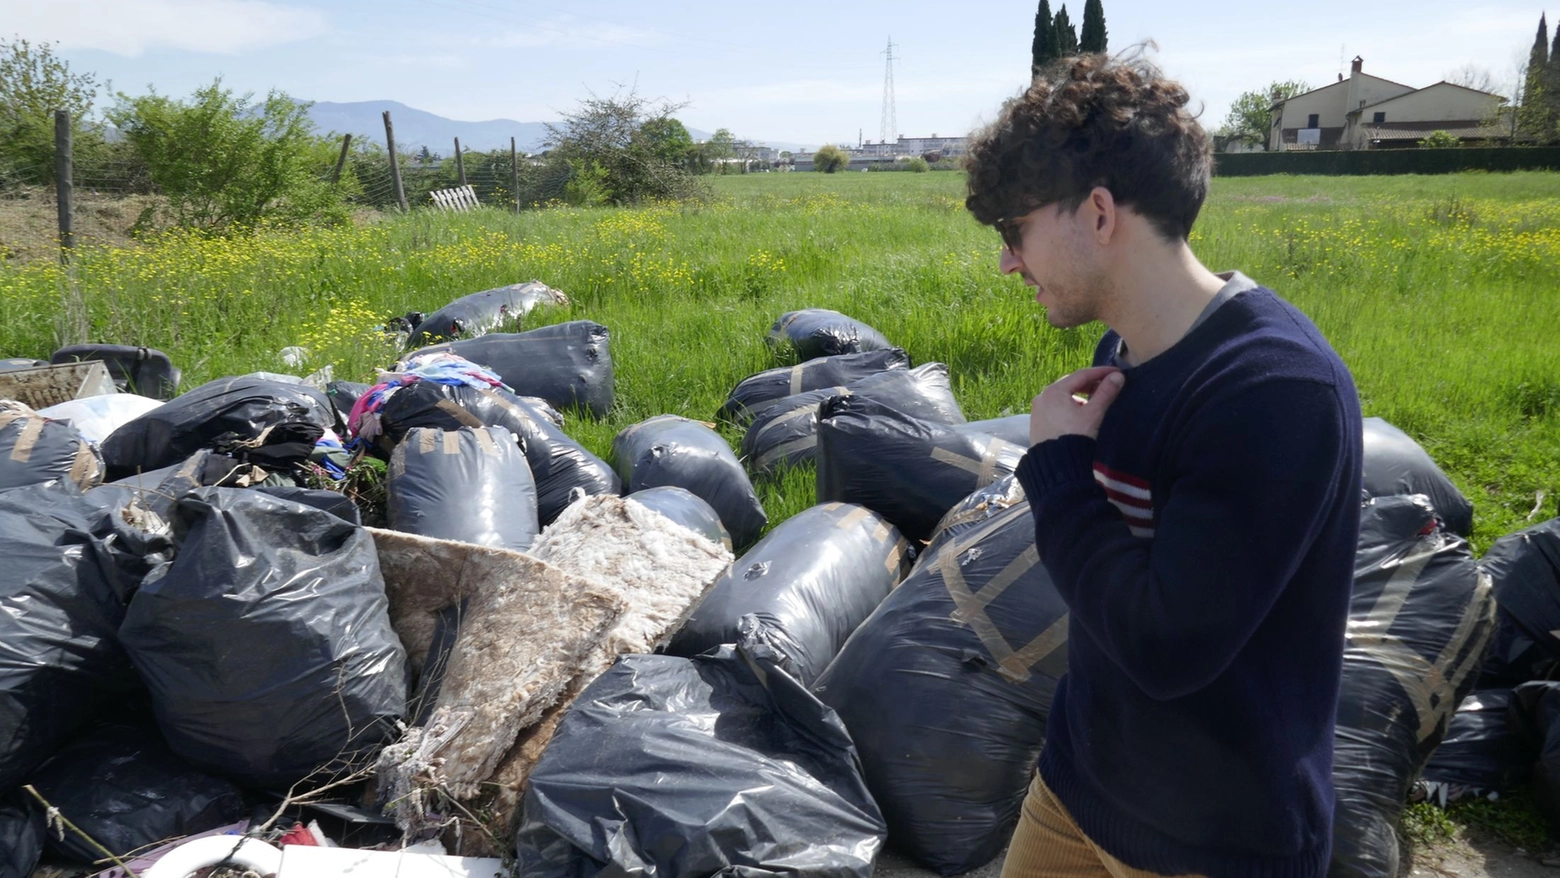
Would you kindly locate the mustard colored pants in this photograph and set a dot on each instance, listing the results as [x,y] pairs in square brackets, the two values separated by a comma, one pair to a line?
[1049,844]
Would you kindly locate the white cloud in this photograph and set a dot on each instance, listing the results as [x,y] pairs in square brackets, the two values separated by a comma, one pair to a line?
[133,27]
[567,32]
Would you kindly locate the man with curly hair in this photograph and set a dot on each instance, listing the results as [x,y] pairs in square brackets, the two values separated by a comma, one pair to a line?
[1196,500]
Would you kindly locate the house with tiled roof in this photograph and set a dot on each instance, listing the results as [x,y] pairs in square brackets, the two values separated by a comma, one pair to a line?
[1369,112]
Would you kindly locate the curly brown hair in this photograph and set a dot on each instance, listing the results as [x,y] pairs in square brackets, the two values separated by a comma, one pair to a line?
[1093,121]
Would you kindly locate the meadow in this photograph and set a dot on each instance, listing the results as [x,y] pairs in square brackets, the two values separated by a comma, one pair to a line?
[1439,293]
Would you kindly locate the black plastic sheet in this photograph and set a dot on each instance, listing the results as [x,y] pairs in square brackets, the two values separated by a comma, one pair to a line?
[764,779]
[1525,567]
[786,433]
[472,485]
[559,465]
[1395,464]
[757,392]
[143,371]
[670,450]
[1420,618]
[121,785]
[254,413]
[567,364]
[266,643]
[819,332]
[686,508]
[946,689]
[337,504]
[803,589]
[343,394]
[1535,714]
[908,470]
[22,833]
[481,313]
[1481,752]
[61,599]
[34,450]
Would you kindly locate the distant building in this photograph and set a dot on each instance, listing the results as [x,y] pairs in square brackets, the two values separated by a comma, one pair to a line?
[1368,112]
[914,146]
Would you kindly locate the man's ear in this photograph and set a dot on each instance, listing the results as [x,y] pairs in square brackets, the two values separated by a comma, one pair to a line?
[1103,212]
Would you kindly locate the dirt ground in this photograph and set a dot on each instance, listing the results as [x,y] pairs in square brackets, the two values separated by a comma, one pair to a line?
[29,223]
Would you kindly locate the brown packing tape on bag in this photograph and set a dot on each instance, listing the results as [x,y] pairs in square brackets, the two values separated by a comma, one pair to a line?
[984,469]
[427,439]
[28,440]
[486,442]
[896,558]
[84,471]
[459,413]
[853,518]
[451,441]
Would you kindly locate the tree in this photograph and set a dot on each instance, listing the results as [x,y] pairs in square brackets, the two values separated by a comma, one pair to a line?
[1066,35]
[1475,77]
[1250,119]
[617,149]
[34,82]
[830,158]
[715,151]
[1440,140]
[1043,50]
[1092,39]
[666,139]
[1536,116]
[226,163]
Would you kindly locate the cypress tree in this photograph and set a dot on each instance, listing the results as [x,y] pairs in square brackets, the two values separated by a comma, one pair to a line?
[1066,35]
[1537,114]
[1043,51]
[1538,59]
[1093,37]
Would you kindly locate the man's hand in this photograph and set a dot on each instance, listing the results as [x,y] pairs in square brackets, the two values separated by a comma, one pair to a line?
[1055,412]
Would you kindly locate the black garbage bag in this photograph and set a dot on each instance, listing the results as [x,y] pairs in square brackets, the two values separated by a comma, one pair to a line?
[138,370]
[1012,428]
[946,689]
[567,364]
[61,599]
[819,332]
[981,504]
[908,470]
[266,643]
[1535,715]
[1481,753]
[687,768]
[120,784]
[268,421]
[786,433]
[803,589]
[481,313]
[1395,464]
[686,508]
[34,450]
[559,465]
[1525,567]
[669,450]
[343,394]
[22,832]
[757,392]
[334,502]
[472,485]
[1515,656]
[1420,619]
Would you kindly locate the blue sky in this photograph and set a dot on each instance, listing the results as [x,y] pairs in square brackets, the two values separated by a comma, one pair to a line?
[801,72]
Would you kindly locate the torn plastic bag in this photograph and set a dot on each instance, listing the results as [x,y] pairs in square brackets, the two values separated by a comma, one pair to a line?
[481,313]
[670,450]
[946,689]
[471,485]
[981,504]
[908,470]
[1535,715]
[803,589]
[819,332]
[559,465]
[1420,618]
[22,832]
[134,369]
[61,599]
[97,416]
[786,433]
[266,643]
[1481,753]
[757,392]
[567,364]
[1525,567]
[765,780]
[1395,464]
[34,450]
[119,783]
[1013,428]
[686,508]
[268,420]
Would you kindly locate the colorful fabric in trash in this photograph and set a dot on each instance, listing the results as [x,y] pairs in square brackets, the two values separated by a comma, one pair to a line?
[440,367]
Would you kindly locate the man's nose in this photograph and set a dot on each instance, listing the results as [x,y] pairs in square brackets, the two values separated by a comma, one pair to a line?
[1009,262]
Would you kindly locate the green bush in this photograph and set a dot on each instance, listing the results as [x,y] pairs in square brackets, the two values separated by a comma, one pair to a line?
[225,163]
[1440,140]
[830,158]
[917,165]
[34,83]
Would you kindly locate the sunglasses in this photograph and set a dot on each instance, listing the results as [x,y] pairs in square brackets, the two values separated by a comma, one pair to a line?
[1012,233]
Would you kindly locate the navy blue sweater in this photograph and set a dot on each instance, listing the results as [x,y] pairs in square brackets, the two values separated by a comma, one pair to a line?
[1205,545]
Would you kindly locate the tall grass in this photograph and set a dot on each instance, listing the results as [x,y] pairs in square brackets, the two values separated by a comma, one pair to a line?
[1437,291]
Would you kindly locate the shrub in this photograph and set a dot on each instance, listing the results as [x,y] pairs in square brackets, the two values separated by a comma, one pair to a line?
[917,165]
[830,158]
[1440,140]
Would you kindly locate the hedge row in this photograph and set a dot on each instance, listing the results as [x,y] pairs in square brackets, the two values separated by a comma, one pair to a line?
[1391,161]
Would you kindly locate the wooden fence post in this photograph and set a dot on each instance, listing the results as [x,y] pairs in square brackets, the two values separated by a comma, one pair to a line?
[395,165]
[460,163]
[64,170]
[341,160]
[514,173]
